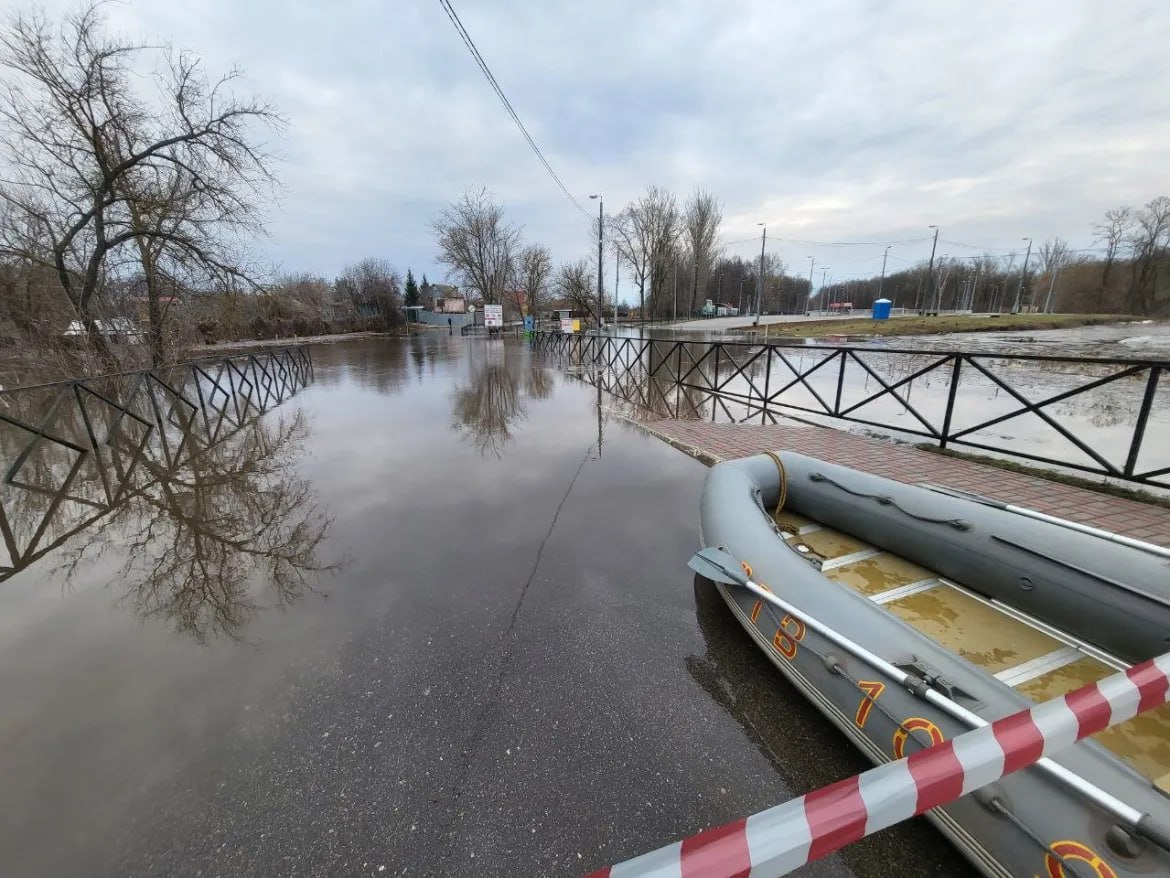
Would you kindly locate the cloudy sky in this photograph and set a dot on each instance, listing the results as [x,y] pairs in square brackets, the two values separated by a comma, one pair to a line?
[831,121]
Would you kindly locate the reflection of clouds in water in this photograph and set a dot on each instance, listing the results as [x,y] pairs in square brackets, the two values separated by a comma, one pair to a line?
[207,543]
[489,406]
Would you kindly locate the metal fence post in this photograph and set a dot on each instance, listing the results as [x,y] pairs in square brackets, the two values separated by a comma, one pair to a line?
[767,383]
[840,383]
[954,388]
[1139,427]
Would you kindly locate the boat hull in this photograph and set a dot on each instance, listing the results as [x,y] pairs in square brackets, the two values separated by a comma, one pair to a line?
[886,721]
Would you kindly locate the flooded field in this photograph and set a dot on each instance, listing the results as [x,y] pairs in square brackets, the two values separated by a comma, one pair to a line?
[428,615]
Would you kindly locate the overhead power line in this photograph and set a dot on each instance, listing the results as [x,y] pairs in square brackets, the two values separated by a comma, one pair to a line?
[829,243]
[471,47]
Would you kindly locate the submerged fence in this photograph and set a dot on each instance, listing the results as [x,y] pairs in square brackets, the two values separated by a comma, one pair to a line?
[1102,416]
[73,450]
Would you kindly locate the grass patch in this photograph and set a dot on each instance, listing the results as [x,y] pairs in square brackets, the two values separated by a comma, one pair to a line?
[917,325]
[1136,494]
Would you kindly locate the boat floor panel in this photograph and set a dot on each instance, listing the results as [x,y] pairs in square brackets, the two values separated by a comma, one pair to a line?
[881,573]
[1001,642]
[1143,742]
[833,544]
[979,633]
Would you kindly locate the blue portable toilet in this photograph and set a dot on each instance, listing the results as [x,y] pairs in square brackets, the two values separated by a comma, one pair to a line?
[881,309]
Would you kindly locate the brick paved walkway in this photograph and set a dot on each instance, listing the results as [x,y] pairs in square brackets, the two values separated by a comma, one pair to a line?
[726,441]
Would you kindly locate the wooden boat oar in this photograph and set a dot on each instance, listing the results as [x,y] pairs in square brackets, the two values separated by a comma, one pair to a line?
[719,566]
[784,838]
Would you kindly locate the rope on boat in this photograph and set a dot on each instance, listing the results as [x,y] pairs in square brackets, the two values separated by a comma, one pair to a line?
[783,480]
[887,500]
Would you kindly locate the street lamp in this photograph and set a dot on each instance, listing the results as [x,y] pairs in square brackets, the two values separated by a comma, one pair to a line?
[600,229]
[811,265]
[824,274]
[760,282]
[930,270]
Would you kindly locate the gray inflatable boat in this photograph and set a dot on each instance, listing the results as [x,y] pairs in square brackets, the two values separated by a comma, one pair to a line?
[994,609]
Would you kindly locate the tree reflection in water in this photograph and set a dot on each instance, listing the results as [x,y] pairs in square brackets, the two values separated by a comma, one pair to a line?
[487,409]
[209,543]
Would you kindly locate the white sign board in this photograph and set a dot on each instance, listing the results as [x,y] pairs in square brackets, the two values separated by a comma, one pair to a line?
[493,316]
[567,324]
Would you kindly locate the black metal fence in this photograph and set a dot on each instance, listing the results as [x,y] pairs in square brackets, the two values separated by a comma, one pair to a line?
[1103,416]
[73,450]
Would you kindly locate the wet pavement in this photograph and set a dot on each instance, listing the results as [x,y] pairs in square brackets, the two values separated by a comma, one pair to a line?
[430,616]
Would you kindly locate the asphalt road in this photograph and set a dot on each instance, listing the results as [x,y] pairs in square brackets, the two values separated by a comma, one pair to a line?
[512,672]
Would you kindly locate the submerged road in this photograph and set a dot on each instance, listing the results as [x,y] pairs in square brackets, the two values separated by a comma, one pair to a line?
[508,669]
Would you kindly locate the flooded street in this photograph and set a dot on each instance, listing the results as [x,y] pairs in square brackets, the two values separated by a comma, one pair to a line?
[429,616]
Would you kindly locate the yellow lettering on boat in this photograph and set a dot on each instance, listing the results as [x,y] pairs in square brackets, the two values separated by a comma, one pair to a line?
[915,724]
[1074,850]
[747,568]
[756,611]
[790,632]
[872,689]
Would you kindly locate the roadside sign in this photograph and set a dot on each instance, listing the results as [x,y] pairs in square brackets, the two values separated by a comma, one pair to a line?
[567,324]
[493,316]
[529,322]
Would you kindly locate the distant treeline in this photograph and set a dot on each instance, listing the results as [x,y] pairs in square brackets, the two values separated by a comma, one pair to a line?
[1128,273]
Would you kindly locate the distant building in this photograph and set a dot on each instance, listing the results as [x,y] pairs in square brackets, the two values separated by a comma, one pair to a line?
[446,299]
[721,309]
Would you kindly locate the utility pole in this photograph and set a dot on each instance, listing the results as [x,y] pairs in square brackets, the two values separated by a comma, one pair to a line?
[930,270]
[600,230]
[760,283]
[811,265]
[1051,287]
[617,267]
[741,280]
[824,303]
[882,282]
[1023,275]
[942,285]
[975,286]
[674,280]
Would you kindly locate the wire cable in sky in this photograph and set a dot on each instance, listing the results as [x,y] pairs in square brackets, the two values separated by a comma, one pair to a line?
[781,240]
[470,43]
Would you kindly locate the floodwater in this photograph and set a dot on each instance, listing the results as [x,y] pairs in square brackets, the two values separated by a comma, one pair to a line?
[901,387]
[431,615]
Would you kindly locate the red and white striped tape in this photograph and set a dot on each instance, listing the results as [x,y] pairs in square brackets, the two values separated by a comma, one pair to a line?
[776,841]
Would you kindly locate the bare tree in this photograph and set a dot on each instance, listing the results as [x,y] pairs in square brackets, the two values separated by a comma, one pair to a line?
[576,282]
[374,289]
[1053,256]
[478,245]
[1148,241]
[533,271]
[702,219]
[1112,233]
[102,155]
[645,233]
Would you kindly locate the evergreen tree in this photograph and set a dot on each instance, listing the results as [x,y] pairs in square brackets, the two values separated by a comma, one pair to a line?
[412,289]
